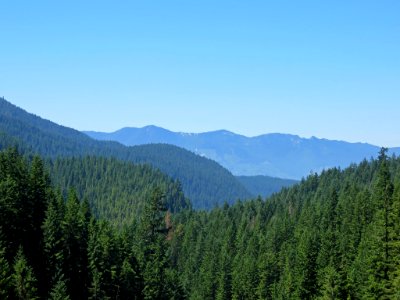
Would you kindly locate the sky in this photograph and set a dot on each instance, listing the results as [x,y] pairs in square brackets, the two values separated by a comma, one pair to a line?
[329,69]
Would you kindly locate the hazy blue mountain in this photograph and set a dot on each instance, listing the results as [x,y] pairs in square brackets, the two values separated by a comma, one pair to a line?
[204,182]
[265,186]
[277,155]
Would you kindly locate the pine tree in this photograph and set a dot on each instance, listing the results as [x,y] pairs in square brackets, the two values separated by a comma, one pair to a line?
[101,257]
[224,273]
[5,274]
[394,243]
[382,232]
[59,291]
[75,247]
[53,239]
[130,281]
[153,233]
[13,195]
[330,284]
[23,278]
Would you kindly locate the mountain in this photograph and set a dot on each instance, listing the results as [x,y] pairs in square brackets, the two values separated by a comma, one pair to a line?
[276,155]
[265,186]
[204,181]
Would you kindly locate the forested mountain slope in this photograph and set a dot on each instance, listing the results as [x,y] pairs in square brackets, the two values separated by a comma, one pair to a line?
[272,154]
[51,247]
[116,190]
[203,181]
[265,186]
[332,236]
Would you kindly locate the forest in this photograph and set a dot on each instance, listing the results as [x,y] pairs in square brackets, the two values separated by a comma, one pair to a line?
[52,247]
[335,235]
[203,180]
[84,219]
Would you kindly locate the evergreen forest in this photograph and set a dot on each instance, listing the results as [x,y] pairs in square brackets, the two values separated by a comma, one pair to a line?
[203,180]
[332,236]
[83,219]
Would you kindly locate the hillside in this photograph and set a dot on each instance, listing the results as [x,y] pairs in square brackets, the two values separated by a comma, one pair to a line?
[203,181]
[332,236]
[51,246]
[276,155]
[116,190]
[265,186]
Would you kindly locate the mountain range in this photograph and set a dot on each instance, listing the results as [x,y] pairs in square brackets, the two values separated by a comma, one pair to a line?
[274,154]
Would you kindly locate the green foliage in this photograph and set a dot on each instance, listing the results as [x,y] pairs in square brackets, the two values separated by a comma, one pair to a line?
[5,274]
[53,237]
[23,278]
[59,291]
[115,190]
[333,236]
[76,255]
[153,234]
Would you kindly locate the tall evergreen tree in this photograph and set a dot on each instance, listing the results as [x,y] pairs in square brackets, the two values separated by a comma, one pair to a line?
[75,246]
[382,231]
[13,195]
[5,273]
[23,278]
[153,234]
[394,272]
[53,239]
[59,290]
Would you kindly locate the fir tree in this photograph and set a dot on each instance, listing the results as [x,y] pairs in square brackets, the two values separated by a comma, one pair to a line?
[59,291]
[23,278]
[53,239]
[75,247]
[5,274]
[153,233]
[382,232]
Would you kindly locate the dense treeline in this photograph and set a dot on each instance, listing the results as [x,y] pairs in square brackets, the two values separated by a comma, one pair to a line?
[333,236]
[203,181]
[116,190]
[53,248]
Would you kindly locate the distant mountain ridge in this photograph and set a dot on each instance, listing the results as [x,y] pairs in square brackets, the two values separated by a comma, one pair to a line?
[274,154]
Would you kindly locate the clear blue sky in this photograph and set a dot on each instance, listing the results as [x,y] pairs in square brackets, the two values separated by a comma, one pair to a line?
[325,68]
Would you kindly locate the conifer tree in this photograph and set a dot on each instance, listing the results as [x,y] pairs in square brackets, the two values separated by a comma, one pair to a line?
[153,233]
[13,195]
[53,239]
[59,291]
[130,281]
[381,259]
[23,278]
[5,274]
[394,243]
[75,246]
